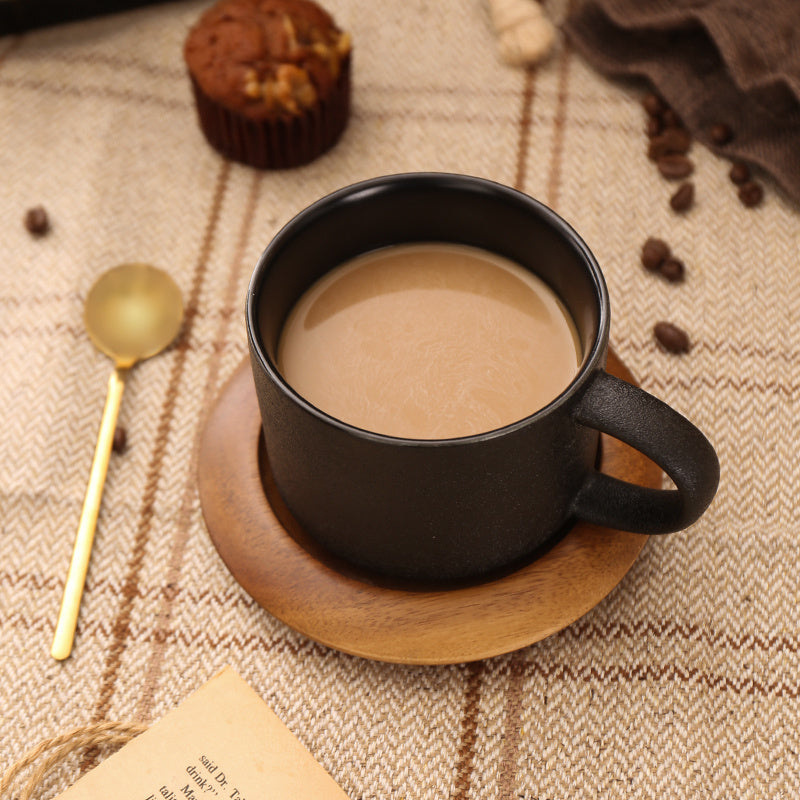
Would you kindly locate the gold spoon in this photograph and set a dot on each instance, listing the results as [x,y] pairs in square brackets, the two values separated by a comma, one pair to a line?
[132,312]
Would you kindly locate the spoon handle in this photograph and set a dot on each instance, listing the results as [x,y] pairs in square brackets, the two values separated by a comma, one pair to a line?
[82,549]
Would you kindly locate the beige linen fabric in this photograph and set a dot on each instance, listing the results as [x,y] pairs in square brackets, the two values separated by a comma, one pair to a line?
[683,683]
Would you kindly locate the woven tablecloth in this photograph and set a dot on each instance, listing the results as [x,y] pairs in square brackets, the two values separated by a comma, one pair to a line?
[682,683]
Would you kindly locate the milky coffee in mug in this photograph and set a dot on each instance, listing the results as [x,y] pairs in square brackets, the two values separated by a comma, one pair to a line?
[437,505]
[429,341]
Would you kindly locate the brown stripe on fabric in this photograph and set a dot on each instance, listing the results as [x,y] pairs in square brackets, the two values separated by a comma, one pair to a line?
[741,350]
[17,301]
[670,630]
[211,640]
[102,92]
[207,641]
[507,771]
[524,126]
[224,640]
[507,768]
[488,91]
[655,630]
[687,632]
[185,511]
[667,673]
[54,329]
[29,581]
[717,383]
[469,730]
[413,115]
[130,587]
[727,347]
[738,685]
[79,333]
[559,126]
[457,91]
[36,581]
[115,61]
[126,95]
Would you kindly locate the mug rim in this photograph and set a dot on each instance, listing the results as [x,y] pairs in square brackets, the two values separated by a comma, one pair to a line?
[592,360]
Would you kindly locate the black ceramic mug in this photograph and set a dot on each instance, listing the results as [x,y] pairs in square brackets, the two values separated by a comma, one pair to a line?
[452,509]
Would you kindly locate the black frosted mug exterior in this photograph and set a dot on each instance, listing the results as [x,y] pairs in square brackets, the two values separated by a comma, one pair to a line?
[448,510]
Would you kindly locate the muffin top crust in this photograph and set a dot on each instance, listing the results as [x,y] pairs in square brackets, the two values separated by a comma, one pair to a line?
[266,58]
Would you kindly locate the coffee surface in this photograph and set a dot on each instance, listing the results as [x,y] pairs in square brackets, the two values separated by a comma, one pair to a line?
[429,341]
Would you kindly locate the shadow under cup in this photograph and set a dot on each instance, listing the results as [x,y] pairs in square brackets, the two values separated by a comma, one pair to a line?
[438,511]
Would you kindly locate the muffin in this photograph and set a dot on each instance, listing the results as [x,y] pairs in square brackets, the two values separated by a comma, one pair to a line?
[271,80]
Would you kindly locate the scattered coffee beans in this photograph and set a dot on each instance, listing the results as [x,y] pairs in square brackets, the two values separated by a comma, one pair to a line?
[120,439]
[675,166]
[751,194]
[683,199]
[673,270]
[721,133]
[672,338]
[36,221]
[669,143]
[654,253]
[657,257]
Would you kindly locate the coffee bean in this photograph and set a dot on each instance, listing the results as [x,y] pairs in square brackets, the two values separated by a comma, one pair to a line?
[657,148]
[670,141]
[673,270]
[36,221]
[675,166]
[654,253]
[740,172]
[653,104]
[672,338]
[721,133]
[653,127]
[671,119]
[751,194]
[680,139]
[120,439]
[683,199]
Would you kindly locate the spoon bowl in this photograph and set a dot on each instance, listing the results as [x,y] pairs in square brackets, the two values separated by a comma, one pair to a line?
[132,312]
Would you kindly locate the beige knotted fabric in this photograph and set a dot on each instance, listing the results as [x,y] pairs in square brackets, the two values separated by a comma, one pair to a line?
[525,34]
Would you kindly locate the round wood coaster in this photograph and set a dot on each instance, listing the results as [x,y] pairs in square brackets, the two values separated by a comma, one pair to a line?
[283,570]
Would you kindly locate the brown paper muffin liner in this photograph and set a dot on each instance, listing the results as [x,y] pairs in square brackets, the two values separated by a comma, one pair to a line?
[280,142]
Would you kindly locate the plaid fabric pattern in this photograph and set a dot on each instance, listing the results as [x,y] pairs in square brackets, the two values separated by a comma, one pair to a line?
[682,683]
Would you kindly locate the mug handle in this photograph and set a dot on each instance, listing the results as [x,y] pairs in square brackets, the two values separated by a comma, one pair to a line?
[630,414]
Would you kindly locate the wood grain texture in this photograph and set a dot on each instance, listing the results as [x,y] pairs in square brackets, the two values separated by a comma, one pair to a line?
[334,604]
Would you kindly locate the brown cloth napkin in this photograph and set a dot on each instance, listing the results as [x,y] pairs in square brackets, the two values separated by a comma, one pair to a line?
[731,61]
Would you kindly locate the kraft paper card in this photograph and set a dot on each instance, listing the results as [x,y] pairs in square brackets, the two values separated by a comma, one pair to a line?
[221,743]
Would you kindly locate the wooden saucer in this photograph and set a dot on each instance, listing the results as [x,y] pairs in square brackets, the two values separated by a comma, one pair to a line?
[282,569]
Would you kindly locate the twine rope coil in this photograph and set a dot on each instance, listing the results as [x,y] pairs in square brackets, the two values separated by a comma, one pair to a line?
[56,749]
